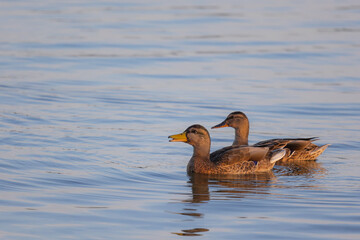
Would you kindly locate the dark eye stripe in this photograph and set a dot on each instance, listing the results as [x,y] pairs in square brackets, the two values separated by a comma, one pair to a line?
[194,131]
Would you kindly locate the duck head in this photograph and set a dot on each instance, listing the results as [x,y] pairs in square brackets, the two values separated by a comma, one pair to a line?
[239,121]
[195,135]
[234,120]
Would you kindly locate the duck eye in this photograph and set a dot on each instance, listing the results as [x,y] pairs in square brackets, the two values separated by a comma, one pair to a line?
[194,131]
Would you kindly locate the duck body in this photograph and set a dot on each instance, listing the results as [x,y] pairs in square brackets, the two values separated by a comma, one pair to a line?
[299,148]
[228,160]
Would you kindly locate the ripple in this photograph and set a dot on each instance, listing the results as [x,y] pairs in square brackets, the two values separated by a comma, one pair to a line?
[88,99]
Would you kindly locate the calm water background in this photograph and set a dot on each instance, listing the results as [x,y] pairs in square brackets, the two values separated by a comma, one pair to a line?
[90,90]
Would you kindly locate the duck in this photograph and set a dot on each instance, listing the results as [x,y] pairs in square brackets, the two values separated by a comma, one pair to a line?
[300,148]
[228,160]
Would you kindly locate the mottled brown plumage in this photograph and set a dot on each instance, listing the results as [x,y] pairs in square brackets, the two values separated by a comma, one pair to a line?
[299,148]
[229,160]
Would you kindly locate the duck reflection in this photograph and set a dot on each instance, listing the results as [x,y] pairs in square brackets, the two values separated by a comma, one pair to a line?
[296,168]
[205,188]
[192,232]
[228,186]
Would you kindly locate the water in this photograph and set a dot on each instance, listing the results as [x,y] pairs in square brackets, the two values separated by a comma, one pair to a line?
[89,92]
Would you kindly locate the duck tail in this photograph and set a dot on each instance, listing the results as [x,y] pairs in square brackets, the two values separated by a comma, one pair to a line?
[321,148]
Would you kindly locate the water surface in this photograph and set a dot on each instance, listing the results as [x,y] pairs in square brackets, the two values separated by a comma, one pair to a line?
[89,92]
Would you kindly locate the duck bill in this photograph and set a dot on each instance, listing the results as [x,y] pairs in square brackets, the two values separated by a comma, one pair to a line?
[221,125]
[178,137]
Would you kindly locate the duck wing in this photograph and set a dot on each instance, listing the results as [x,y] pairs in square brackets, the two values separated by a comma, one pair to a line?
[294,144]
[232,155]
[273,143]
[216,154]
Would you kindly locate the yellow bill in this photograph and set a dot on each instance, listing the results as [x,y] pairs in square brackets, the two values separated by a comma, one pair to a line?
[178,137]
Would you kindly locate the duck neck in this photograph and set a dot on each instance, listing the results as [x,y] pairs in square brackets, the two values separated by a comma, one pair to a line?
[202,153]
[199,159]
[241,135]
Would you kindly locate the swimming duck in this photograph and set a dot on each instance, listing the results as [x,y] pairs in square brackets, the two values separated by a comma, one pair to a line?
[300,148]
[228,160]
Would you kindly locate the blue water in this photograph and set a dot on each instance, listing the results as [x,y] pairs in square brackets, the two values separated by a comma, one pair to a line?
[89,92]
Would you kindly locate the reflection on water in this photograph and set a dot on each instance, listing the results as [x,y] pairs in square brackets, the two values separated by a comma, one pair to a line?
[205,188]
[258,187]
[228,186]
[304,168]
[192,232]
